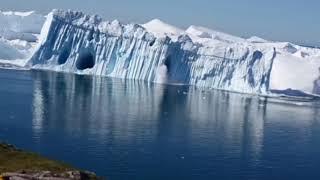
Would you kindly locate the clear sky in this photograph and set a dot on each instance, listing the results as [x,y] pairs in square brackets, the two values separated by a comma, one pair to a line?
[286,20]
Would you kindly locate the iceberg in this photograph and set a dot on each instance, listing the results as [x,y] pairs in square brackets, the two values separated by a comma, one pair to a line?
[79,43]
[74,42]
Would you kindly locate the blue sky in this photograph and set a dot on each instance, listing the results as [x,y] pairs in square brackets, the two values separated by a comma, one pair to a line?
[286,20]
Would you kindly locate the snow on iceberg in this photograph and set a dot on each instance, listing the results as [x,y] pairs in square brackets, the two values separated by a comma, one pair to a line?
[162,29]
[255,39]
[203,32]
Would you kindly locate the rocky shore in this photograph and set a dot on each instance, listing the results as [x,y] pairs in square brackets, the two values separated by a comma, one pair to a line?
[47,175]
[16,164]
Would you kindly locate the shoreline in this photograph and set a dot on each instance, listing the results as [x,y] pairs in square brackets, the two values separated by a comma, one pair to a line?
[20,164]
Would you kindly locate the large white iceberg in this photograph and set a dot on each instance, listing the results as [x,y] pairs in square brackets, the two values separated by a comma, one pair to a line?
[158,52]
[75,42]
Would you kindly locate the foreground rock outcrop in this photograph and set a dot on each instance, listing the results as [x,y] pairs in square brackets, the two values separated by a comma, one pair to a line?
[16,164]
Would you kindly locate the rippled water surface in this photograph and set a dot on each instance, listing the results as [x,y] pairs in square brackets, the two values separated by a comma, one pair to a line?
[135,130]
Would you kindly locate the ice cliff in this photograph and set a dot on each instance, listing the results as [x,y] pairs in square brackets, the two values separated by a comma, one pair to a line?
[75,42]
[158,52]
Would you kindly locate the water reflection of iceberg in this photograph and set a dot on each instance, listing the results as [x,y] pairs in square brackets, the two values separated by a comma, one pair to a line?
[237,119]
[144,125]
[93,105]
[129,111]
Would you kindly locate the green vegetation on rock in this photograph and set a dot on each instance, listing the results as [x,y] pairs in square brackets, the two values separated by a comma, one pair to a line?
[13,159]
[15,163]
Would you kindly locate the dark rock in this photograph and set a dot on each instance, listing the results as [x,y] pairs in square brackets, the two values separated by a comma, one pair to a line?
[47,175]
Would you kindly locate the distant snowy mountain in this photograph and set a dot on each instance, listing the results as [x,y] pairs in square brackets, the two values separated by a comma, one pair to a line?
[19,33]
[159,52]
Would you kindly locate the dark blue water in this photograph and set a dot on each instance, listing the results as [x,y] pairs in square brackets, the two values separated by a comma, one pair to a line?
[134,130]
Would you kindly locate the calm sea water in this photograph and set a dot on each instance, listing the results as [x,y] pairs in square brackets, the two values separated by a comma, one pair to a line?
[127,130]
